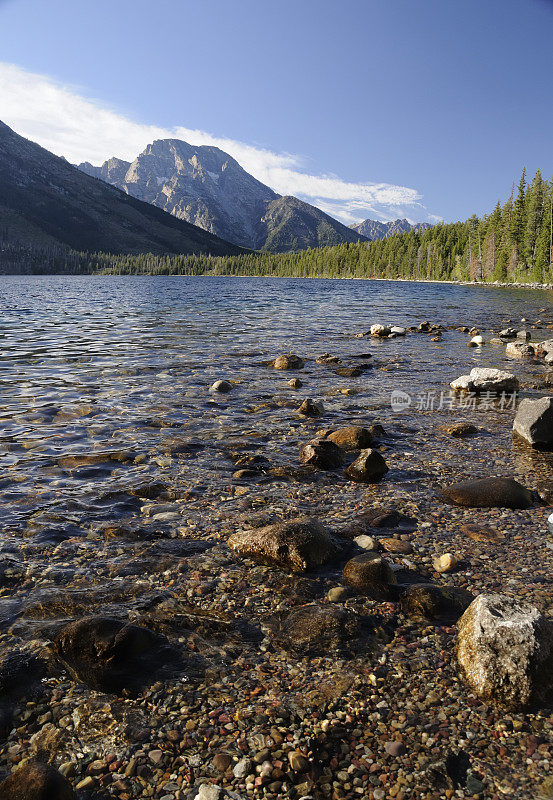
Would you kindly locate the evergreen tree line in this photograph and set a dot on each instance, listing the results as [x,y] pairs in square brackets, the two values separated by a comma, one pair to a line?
[512,244]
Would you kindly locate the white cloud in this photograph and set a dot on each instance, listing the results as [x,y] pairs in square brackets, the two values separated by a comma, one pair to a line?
[70,125]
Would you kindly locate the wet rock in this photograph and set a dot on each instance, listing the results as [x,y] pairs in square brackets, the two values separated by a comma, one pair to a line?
[505,651]
[429,601]
[371,575]
[488,493]
[36,781]
[349,372]
[534,422]
[380,330]
[309,408]
[20,675]
[295,383]
[322,454]
[445,563]
[223,387]
[110,655]
[476,341]
[482,379]
[326,358]
[288,362]
[382,517]
[481,533]
[366,542]
[316,630]
[397,330]
[519,350]
[338,594]
[508,333]
[459,429]
[351,438]
[369,467]
[298,545]
[393,545]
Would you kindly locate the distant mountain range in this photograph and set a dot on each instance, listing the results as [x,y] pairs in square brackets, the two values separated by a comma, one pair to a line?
[373,230]
[44,200]
[207,187]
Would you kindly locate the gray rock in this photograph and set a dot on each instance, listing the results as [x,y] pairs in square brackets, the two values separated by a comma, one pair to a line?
[369,467]
[534,422]
[505,651]
[508,333]
[519,350]
[298,545]
[380,330]
[482,379]
[489,493]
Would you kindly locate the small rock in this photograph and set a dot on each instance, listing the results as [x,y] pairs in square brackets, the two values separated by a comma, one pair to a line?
[288,362]
[460,429]
[432,602]
[476,341]
[295,383]
[221,762]
[322,454]
[393,545]
[338,594]
[370,574]
[366,542]
[444,563]
[298,762]
[369,467]
[482,379]
[221,386]
[380,330]
[309,408]
[352,438]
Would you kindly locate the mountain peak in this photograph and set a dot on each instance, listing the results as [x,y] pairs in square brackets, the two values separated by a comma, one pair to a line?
[373,229]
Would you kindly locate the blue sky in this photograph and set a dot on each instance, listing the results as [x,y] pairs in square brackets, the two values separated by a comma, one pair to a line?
[365,107]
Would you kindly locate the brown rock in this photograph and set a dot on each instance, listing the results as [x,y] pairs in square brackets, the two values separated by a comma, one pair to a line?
[222,761]
[309,408]
[352,438]
[432,602]
[322,454]
[460,429]
[288,362]
[393,545]
[489,492]
[369,467]
[481,533]
[318,630]
[298,545]
[36,781]
[371,575]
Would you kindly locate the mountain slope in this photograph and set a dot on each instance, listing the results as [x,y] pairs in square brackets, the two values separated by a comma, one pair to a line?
[209,188]
[42,195]
[375,230]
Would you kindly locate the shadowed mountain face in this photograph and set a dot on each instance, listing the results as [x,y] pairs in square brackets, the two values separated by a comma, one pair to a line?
[373,229]
[208,188]
[46,200]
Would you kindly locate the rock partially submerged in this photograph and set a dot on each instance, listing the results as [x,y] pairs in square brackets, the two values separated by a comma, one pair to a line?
[290,361]
[322,454]
[505,651]
[310,408]
[486,380]
[429,601]
[297,546]
[380,330]
[36,781]
[489,493]
[351,438]
[534,422]
[369,467]
[318,630]
[371,575]
[110,655]
[519,350]
[223,387]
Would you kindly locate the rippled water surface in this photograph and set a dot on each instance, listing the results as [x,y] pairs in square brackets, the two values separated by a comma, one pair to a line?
[104,380]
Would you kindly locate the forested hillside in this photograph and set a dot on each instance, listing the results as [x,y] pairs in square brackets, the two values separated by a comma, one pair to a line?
[512,244]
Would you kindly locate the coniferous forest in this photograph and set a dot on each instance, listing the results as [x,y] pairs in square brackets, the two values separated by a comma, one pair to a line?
[514,243]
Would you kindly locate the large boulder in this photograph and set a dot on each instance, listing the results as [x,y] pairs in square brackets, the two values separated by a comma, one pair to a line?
[369,467]
[351,438]
[322,454]
[482,379]
[288,362]
[371,575]
[109,654]
[297,546]
[534,422]
[36,781]
[505,651]
[488,493]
